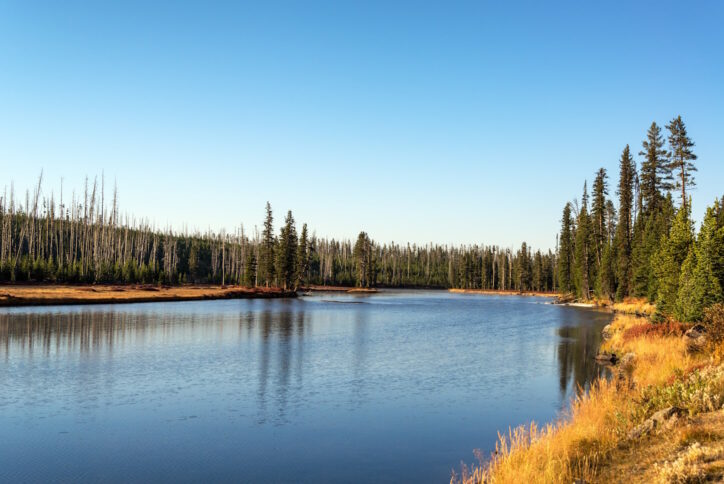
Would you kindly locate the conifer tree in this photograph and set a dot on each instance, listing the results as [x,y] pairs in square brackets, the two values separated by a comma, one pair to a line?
[681,157]
[624,231]
[583,252]
[699,286]
[287,253]
[364,260]
[655,172]
[668,259]
[266,252]
[565,252]
[302,258]
[250,269]
[598,214]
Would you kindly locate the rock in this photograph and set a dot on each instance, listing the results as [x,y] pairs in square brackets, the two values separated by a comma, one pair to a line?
[665,418]
[695,338]
[606,358]
[607,332]
[624,375]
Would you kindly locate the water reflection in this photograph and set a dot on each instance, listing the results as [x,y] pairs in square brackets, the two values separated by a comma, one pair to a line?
[371,385]
[577,348]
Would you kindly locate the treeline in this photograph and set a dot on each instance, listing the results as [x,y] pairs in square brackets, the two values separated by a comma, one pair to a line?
[87,240]
[646,246]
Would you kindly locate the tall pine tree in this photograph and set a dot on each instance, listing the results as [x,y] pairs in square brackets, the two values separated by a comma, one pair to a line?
[583,250]
[565,252]
[266,252]
[681,157]
[624,231]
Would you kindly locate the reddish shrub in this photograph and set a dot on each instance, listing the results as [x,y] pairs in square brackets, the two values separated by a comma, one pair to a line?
[655,330]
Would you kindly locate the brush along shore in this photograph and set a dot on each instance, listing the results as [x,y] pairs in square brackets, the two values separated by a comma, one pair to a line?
[46,295]
[658,418]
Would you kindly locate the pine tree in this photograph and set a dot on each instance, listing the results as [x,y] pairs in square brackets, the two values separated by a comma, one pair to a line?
[583,252]
[302,258]
[250,269]
[624,232]
[598,214]
[668,260]
[287,253]
[565,252]
[699,286]
[681,157]
[266,252]
[364,260]
[655,173]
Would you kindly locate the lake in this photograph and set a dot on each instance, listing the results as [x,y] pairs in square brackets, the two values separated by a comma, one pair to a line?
[398,386]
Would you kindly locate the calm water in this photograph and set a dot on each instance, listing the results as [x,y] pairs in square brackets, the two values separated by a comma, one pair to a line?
[399,386]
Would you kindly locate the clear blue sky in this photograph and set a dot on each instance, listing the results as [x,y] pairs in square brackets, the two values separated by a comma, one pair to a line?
[452,122]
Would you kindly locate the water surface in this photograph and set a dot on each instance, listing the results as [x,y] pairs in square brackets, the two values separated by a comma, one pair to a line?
[397,386]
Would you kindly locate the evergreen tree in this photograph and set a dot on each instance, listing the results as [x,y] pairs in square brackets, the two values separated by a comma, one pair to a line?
[668,259]
[523,268]
[266,252]
[699,286]
[364,261]
[286,255]
[598,214]
[565,252]
[681,157]
[302,258]
[583,252]
[624,232]
[250,269]
[655,173]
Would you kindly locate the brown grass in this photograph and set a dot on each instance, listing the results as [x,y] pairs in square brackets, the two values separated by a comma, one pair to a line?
[635,306]
[671,328]
[27,295]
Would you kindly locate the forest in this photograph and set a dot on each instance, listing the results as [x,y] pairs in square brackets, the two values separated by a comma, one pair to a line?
[87,240]
[646,246]
[641,243]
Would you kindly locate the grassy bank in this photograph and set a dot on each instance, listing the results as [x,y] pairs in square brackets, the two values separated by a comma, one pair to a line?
[598,441]
[44,295]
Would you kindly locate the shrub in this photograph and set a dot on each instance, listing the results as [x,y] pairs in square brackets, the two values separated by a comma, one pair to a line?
[714,322]
[656,330]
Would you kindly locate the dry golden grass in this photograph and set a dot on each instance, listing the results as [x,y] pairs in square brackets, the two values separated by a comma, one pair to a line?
[581,446]
[637,306]
[22,295]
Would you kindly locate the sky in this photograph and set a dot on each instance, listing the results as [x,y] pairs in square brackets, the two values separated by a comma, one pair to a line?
[446,122]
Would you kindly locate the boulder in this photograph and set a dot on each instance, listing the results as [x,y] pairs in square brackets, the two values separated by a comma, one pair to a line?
[607,332]
[606,358]
[696,338]
[663,419]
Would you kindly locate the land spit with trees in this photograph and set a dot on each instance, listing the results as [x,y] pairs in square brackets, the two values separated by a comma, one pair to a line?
[85,240]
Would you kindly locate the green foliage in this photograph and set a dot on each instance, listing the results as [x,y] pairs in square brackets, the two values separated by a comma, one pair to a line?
[699,283]
[566,256]
[624,232]
[669,258]
[697,392]
[286,253]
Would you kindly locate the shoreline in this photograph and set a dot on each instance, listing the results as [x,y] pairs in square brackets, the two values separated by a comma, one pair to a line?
[494,292]
[315,288]
[658,417]
[21,295]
